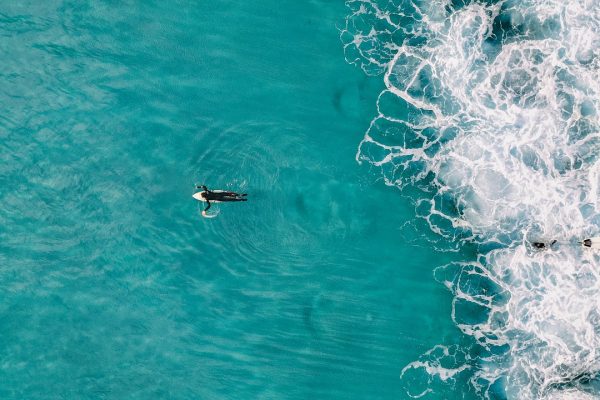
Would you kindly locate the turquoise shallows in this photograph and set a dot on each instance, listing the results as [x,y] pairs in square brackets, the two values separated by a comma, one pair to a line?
[114,287]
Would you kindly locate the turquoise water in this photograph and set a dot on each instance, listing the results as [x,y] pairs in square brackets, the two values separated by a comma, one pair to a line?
[114,287]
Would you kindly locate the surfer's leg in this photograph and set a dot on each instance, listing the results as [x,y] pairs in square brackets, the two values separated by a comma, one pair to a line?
[234,194]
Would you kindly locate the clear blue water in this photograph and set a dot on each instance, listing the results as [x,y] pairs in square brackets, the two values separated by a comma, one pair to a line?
[112,284]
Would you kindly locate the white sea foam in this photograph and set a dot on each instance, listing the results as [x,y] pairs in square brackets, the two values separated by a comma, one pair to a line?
[494,105]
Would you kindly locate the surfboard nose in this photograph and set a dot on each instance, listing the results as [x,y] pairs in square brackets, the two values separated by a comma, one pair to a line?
[198,196]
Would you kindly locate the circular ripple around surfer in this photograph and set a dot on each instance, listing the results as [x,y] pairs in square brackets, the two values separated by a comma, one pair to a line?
[263,166]
[267,232]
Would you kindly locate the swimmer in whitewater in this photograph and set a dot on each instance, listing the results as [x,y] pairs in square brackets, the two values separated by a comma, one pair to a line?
[593,243]
[216,196]
[542,245]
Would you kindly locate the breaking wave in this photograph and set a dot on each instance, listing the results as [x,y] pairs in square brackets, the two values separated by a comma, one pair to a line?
[491,108]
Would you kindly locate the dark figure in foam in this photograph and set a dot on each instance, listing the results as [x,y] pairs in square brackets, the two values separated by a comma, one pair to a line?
[593,243]
[543,245]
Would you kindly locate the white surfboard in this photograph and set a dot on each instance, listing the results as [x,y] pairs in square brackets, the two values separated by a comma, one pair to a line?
[198,196]
[593,242]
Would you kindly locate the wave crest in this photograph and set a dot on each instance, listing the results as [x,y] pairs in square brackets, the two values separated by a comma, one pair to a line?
[491,107]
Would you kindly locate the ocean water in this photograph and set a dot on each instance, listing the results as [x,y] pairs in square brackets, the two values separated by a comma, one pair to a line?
[113,286]
[399,159]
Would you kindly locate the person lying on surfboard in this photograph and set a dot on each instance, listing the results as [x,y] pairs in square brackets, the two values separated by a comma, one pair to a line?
[216,196]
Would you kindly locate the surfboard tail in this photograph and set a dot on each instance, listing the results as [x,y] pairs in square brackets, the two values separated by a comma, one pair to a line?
[593,242]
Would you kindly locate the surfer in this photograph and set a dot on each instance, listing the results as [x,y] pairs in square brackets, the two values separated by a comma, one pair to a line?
[593,243]
[542,245]
[216,196]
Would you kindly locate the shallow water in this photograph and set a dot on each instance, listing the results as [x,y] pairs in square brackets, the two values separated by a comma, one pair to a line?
[114,286]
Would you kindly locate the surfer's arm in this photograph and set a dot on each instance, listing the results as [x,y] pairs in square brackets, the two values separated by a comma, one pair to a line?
[204,214]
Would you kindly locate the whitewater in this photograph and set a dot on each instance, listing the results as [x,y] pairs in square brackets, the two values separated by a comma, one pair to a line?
[490,109]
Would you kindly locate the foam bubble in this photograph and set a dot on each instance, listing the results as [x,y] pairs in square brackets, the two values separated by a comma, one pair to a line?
[493,107]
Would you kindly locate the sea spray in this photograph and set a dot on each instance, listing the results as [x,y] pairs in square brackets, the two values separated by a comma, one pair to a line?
[491,107]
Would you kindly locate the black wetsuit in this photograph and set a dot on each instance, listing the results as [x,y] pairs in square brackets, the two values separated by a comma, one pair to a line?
[542,245]
[209,195]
